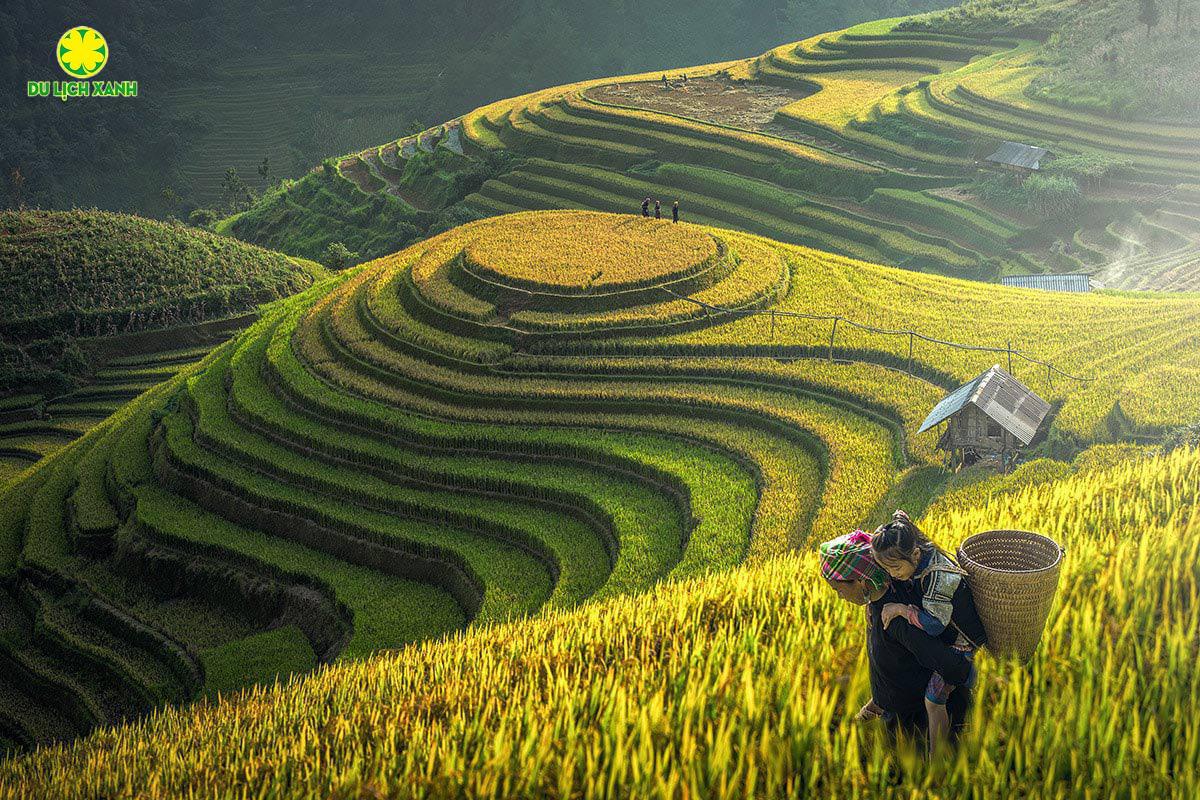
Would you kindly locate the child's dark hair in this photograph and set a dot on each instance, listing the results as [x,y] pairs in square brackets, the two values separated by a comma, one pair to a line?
[898,538]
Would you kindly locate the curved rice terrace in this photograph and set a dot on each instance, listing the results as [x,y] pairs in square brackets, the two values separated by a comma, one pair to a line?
[101,307]
[570,465]
[868,142]
[515,418]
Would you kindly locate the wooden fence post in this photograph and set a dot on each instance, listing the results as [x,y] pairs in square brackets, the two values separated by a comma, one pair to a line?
[1010,356]
[832,336]
[1049,377]
[772,325]
[910,352]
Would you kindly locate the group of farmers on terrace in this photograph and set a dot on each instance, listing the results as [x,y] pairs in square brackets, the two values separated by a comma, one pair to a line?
[922,625]
[658,209]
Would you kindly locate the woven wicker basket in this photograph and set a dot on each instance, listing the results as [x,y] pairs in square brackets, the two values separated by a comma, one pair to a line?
[1013,576]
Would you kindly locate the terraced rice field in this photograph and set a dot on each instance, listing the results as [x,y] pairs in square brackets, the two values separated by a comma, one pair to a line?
[809,153]
[100,307]
[38,426]
[515,418]
[740,104]
[862,142]
[382,169]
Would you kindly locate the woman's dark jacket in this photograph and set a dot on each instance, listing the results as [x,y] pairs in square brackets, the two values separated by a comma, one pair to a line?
[902,658]
[947,600]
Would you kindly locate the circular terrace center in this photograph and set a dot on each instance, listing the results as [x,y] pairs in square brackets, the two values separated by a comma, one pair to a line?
[589,253]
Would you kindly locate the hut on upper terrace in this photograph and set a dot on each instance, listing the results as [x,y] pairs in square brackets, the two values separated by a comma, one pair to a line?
[1068,282]
[1024,159]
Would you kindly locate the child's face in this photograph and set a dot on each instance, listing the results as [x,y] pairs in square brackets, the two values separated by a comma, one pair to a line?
[901,569]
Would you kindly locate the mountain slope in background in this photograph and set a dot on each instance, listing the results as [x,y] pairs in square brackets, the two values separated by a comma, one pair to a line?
[225,85]
[882,142]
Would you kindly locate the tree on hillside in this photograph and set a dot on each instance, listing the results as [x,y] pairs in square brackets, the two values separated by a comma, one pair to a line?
[264,172]
[171,200]
[17,188]
[338,256]
[203,217]
[1148,14]
[236,195]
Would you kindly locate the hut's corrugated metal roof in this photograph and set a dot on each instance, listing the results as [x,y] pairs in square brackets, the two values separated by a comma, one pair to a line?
[1016,154]
[1053,283]
[951,404]
[1002,397]
[1011,403]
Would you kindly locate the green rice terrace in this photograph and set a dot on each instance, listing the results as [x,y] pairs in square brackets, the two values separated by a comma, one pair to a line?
[520,415]
[100,307]
[523,494]
[872,142]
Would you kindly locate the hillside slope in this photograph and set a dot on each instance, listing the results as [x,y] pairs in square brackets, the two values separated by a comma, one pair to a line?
[501,421]
[224,86]
[870,142]
[98,307]
[732,685]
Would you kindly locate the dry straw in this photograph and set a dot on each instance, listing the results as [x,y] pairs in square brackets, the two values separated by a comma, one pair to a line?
[1013,575]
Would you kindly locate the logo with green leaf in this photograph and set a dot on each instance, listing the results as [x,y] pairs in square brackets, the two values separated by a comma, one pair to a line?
[82,52]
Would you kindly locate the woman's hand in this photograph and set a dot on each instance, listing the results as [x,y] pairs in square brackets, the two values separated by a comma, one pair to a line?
[869,712]
[893,610]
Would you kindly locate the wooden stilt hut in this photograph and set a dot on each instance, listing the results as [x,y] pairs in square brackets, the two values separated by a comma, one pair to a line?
[993,415]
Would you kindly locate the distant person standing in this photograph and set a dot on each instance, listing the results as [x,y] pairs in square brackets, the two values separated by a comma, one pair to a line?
[646,207]
[657,210]
[675,212]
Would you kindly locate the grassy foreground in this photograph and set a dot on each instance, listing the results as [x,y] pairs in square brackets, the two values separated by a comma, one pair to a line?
[730,685]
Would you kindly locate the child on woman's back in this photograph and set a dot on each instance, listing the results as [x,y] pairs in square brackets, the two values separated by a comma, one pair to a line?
[947,606]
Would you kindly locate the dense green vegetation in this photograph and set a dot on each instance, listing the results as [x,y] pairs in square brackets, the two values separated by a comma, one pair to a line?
[1126,58]
[325,209]
[74,277]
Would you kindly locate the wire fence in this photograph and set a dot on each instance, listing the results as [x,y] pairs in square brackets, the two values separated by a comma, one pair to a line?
[913,336]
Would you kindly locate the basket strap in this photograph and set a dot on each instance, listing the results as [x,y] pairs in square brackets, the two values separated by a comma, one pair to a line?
[971,641]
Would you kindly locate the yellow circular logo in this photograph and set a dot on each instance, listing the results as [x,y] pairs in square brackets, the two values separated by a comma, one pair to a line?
[82,52]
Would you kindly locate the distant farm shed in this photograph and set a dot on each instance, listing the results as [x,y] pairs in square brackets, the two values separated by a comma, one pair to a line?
[1074,282]
[993,414]
[1024,157]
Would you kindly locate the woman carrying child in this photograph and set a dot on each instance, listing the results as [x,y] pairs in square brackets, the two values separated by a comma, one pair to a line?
[947,610]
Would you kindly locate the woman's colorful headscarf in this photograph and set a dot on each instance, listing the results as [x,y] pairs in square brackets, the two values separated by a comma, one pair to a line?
[849,558]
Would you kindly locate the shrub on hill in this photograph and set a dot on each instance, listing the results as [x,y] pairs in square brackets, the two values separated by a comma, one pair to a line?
[1052,196]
